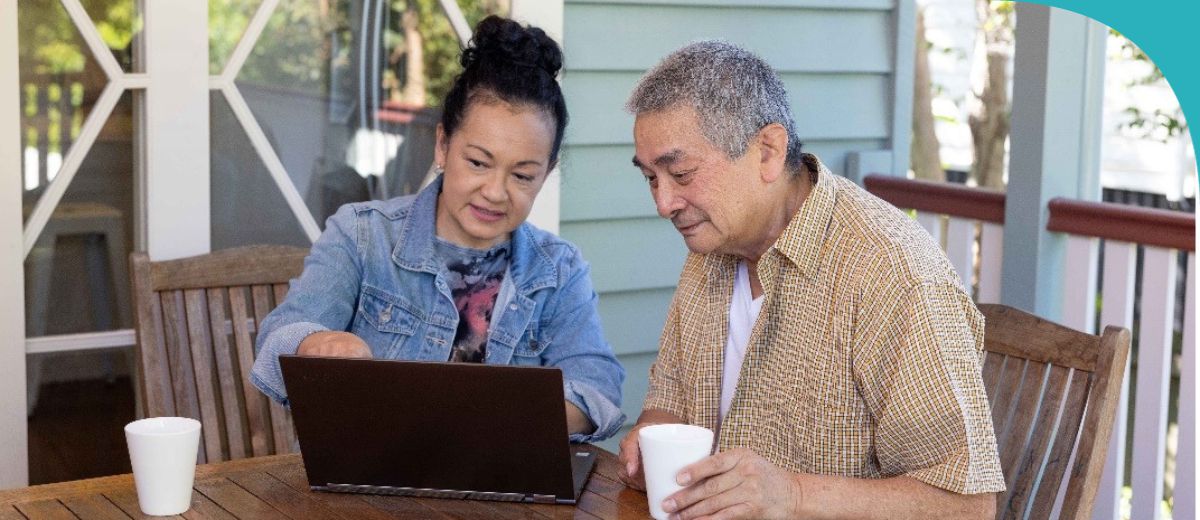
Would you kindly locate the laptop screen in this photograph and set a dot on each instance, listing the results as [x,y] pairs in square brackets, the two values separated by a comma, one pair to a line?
[438,426]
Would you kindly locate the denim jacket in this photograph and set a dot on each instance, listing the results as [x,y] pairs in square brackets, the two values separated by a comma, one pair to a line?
[373,272]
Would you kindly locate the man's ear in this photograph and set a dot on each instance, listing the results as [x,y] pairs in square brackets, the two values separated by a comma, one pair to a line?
[772,149]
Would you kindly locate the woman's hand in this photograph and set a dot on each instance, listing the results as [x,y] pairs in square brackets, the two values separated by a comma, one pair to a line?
[334,344]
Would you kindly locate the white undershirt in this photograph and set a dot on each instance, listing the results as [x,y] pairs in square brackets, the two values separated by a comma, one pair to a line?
[743,312]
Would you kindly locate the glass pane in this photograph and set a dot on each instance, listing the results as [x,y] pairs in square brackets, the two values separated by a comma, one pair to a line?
[76,276]
[60,83]
[335,85]
[247,206]
[227,21]
[119,22]
[76,280]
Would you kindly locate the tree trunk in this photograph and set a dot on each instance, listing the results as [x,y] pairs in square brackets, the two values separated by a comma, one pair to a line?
[414,69]
[924,154]
[989,121]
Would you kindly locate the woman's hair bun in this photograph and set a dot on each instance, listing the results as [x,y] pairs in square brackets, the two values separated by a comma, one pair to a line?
[500,42]
[513,63]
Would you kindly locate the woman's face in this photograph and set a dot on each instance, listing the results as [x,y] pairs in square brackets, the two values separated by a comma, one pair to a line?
[495,164]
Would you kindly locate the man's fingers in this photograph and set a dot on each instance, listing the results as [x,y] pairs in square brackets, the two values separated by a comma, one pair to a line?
[709,466]
[739,510]
[632,456]
[702,493]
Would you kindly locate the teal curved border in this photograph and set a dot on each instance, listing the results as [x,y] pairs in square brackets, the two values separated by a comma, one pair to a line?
[1168,31]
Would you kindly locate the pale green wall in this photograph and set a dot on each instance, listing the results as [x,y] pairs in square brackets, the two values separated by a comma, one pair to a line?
[837,59]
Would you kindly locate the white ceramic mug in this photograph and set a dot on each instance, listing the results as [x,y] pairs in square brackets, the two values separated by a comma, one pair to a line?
[666,449]
[162,451]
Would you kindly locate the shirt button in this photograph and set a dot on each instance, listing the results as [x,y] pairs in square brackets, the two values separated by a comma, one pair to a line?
[512,306]
[386,315]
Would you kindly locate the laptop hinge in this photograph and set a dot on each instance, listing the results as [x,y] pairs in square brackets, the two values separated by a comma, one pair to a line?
[544,499]
[428,493]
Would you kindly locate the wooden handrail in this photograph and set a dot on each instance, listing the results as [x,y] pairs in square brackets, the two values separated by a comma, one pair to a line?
[1146,226]
[938,197]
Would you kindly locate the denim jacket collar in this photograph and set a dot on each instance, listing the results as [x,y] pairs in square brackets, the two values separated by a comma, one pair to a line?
[531,268]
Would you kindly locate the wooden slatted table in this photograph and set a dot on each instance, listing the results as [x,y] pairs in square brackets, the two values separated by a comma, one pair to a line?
[276,488]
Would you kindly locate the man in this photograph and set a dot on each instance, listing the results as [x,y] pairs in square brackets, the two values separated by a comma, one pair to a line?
[818,330]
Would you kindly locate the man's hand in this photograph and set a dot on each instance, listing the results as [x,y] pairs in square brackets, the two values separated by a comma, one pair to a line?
[630,453]
[334,344]
[735,484]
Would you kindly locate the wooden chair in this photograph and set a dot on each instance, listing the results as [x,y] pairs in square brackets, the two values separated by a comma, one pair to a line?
[1053,391]
[196,320]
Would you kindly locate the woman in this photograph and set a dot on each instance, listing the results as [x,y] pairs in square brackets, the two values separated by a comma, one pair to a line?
[454,273]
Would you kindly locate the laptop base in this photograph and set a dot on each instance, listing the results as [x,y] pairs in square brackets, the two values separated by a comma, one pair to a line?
[582,462]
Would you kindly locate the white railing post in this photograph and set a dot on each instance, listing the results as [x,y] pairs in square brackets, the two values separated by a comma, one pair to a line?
[960,249]
[991,253]
[1185,455]
[932,222]
[1079,284]
[1154,379]
[1120,262]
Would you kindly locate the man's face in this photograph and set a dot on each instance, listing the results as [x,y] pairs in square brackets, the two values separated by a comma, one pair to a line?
[708,197]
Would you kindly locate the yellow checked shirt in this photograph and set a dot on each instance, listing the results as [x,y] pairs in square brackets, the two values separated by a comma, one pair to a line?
[865,359]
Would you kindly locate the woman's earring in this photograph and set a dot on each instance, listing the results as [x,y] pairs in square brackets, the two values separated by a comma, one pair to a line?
[437,170]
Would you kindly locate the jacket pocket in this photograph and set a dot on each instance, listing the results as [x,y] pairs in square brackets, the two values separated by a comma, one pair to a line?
[530,345]
[386,322]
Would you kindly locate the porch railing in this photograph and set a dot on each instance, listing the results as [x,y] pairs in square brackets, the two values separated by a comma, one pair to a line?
[52,117]
[1142,296]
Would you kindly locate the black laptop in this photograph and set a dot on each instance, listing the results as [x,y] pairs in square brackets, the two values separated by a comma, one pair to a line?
[446,430]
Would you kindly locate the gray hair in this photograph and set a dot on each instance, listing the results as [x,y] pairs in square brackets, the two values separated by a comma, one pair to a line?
[734,92]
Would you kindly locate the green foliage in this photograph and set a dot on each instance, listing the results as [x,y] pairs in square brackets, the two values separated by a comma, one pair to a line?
[303,42]
[227,20]
[306,42]
[1160,124]
[441,45]
[50,43]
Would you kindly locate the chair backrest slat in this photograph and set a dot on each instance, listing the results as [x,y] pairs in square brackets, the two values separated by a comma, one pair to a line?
[183,376]
[280,291]
[257,411]
[281,424]
[1020,426]
[993,363]
[153,368]
[197,319]
[1003,402]
[200,347]
[1023,476]
[1053,393]
[1097,425]
[226,362]
[1065,439]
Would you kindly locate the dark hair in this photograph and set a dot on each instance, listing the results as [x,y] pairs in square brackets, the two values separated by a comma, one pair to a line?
[513,63]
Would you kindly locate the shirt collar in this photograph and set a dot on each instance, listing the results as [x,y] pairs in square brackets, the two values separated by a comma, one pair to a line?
[803,237]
